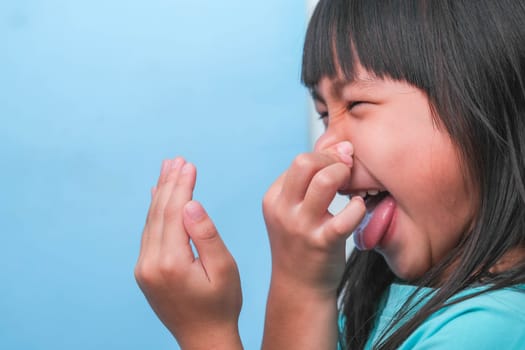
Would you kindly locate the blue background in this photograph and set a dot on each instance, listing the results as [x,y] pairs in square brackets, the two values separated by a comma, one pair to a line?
[93,95]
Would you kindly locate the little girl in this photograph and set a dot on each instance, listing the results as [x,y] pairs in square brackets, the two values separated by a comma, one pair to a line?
[424,108]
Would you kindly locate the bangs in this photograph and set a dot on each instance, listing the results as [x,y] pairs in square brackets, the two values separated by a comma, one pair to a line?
[387,38]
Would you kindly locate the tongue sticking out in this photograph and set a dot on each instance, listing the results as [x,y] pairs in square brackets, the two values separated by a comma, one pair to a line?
[375,224]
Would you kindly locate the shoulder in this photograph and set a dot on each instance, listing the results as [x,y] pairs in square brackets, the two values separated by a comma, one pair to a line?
[491,320]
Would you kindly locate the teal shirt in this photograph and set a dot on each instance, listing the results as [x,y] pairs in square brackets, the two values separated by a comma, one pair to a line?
[492,320]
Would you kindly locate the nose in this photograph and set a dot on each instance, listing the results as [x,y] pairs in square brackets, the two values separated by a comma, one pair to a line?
[328,140]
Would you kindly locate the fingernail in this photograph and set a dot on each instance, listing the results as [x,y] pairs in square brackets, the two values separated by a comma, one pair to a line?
[186,168]
[345,151]
[194,211]
[345,147]
[177,162]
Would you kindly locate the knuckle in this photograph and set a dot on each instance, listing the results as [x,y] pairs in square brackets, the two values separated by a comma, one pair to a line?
[271,203]
[145,275]
[267,203]
[303,161]
[170,213]
[323,181]
[208,232]
[337,227]
[156,213]
[227,266]
[167,266]
[137,272]
[317,240]
[279,216]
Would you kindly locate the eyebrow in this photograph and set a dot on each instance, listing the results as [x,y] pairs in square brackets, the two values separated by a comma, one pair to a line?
[340,85]
[337,87]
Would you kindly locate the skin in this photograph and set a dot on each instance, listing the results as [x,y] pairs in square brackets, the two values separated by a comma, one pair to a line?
[401,148]
[308,249]
[197,298]
[380,134]
[397,146]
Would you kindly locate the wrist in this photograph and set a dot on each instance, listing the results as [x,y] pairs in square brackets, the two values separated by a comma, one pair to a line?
[301,298]
[319,274]
[212,338]
[303,287]
[300,319]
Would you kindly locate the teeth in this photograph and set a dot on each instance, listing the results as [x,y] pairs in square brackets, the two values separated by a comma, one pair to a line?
[364,194]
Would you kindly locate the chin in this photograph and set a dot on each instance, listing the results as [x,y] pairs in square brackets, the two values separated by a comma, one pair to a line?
[408,271]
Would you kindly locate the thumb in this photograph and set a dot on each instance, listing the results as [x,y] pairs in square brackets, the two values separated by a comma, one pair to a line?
[212,251]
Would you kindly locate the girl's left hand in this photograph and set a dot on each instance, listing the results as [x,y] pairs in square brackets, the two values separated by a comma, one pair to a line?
[197,298]
[307,241]
[308,249]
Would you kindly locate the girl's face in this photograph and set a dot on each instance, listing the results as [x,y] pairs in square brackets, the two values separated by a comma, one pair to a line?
[399,148]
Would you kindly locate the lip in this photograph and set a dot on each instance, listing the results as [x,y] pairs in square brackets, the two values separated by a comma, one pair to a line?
[370,201]
[364,183]
[361,180]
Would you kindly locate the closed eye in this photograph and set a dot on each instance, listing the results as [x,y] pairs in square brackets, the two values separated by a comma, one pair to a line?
[323,115]
[354,104]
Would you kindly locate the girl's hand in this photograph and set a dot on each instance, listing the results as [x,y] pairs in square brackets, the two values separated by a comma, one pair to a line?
[308,250]
[197,298]
[307,241]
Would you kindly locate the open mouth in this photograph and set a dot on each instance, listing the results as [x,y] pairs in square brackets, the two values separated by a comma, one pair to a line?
[371,198]
[380,208]
[371,201]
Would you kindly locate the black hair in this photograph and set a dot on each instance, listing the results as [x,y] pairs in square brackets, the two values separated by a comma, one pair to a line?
[468,57]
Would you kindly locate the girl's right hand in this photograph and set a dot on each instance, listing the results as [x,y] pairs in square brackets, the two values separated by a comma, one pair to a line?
[198,298]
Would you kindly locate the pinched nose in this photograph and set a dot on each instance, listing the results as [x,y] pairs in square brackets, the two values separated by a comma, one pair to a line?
[330,139]
[343,149]
[324,142]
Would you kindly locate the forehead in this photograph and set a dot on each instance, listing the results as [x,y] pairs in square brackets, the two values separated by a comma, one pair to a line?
[336,87]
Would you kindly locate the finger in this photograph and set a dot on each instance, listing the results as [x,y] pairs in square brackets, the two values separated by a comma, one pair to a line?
[300,174]
[175,240]
[212,251]
[163,171]
[344,151]
[145,233]
[324,187]
[306,165]
[166,181]
[153,191]
[273,192]
[340,226]
[155,222]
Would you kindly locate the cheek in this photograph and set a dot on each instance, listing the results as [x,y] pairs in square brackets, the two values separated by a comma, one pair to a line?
[437,178]
[444,180]
[437,201]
